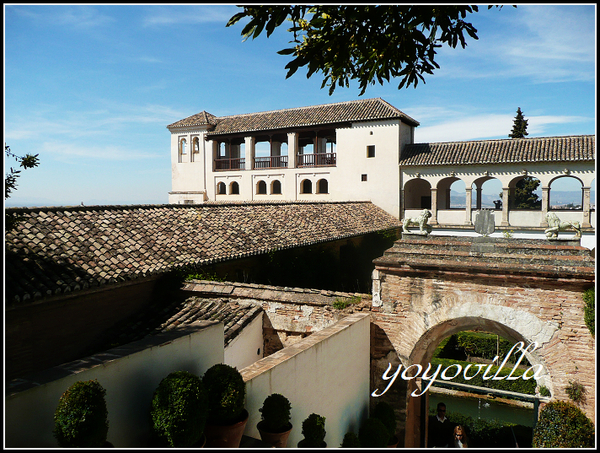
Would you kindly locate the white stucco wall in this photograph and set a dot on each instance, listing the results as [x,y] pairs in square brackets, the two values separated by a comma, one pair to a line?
[247,347]
[130,382]
[326,373]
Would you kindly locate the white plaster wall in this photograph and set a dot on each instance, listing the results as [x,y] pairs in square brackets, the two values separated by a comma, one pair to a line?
[382,185]
[189,175]
[247,347]
[330,378]
[129,381]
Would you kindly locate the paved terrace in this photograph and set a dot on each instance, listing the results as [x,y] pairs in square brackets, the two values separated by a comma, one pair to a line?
[59,250]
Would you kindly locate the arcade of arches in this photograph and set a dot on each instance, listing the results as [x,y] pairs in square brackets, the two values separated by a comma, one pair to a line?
[434,192]
[427,288]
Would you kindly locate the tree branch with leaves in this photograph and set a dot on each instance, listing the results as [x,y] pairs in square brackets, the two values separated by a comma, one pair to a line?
[365,43]
[10,180]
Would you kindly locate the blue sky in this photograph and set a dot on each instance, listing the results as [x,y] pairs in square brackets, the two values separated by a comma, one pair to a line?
[91,88]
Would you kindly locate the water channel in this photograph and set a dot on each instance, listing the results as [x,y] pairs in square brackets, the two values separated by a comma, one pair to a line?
[483,408]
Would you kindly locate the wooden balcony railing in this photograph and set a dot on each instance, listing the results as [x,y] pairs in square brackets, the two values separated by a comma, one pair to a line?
[230,164]
[271,162]
[317,160]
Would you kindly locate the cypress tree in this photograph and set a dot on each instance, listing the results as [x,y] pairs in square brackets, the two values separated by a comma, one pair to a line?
[519,129]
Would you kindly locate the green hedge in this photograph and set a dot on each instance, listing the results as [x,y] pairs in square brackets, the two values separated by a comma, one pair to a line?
[477,344]
[518,385]
[491,433]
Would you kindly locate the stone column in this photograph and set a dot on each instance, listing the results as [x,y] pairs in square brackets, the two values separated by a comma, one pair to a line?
[468,201]
[292,149]
[250,151]
[545,205]
[433,220]
[586,208]
[505,191]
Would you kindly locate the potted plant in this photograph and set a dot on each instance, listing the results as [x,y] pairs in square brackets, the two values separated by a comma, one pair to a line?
[373,434]
[227,416]
[275,426]
[350,440]
[81,417]
[385,412]
[313,430]
[179,411]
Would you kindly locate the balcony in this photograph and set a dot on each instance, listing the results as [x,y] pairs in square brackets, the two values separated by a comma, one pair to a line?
[303,160]
[230,164]
[317,160]
[271,162]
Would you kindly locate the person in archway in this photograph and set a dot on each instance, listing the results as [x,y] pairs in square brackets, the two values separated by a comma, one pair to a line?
[440,429]
[460,439]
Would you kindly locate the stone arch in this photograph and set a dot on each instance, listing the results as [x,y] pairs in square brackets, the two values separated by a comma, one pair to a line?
[306,186]
[487,193]
[276,187]
[513,185]
[571,183]
[261,187]
[234,188]
[322,186]
[444,190]
[417,194]
[221,188]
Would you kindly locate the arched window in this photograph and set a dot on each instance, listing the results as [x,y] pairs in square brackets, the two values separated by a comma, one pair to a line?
[276,187]
[196,145]
[306,186]
[183,145]
[234,188]
[322,186]
[261,188]
[221,188]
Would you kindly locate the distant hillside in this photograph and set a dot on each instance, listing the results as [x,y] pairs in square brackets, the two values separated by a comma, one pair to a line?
[457,199]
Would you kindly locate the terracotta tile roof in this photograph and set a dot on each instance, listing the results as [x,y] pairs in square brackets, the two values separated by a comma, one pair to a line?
[159,319]
[360,110]
[542,149]
[59,250]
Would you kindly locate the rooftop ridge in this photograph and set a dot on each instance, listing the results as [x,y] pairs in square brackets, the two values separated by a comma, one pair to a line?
[502,139]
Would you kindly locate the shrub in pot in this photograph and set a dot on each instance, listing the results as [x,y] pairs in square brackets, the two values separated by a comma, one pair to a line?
[385,412]
[226,392]
[81,417]
[275,426]
[313,430]
[179,410]
[350,440]
[373,434]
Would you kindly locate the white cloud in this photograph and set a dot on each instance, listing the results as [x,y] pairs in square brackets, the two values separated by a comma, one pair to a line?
[488,126]
[158,16]
[89,151]
[81,17]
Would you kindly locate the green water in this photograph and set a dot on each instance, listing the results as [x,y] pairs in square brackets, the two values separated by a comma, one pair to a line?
[484,409]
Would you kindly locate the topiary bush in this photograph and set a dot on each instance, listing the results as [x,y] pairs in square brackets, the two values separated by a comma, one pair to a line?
[350,440]
[384,412]
[81,417]
[226,391]
[275,413]
[179,410]
[313,430]
[373,434]
[563,425]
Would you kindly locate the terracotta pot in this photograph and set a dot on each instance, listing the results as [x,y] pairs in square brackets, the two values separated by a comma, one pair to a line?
[394,442]
[302,444]
[277,440]
[200,443]
[226,436]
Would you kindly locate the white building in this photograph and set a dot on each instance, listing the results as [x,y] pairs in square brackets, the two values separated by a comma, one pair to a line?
[364,151]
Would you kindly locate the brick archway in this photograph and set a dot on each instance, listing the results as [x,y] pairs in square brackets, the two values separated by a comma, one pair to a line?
[425,289]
